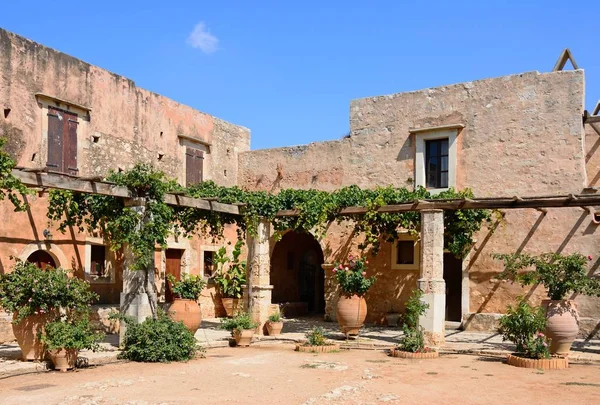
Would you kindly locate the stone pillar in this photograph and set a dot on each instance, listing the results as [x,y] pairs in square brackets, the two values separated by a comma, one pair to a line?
[138,297]
[431,280]
[258,275]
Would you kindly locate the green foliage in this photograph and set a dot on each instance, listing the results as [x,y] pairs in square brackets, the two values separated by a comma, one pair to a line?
[240,321]
[29,290]
[189,287]
[71,334]
[316,337]
[538,347]
[10,186]
[414,309]
[158,340]
[560,274]
[413,339]
[352,277]
[230,273]
[276,317]
[521,323]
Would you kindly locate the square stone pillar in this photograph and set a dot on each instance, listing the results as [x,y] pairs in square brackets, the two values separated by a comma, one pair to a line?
[138,298]
[431,280]
[258,275]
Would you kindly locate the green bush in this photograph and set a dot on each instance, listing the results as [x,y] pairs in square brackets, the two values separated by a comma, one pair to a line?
[276,317]
[316,336]
[29,290]
[413,340]
[414,309]
[230,279]
[158,340]
[239,322]
[521,323]
[71,334]
[352,277]
[189,287]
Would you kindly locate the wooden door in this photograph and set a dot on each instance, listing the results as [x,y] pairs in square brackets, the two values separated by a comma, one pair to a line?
[62,141]
[41,259]
[453,279]
[173,266]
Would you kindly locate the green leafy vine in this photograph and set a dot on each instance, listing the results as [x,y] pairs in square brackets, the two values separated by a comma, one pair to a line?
[10,186]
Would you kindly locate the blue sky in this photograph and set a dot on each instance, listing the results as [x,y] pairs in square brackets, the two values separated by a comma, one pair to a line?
[288,70]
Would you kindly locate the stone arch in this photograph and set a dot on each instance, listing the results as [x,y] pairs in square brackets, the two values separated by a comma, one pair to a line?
[53,250]
[296,274]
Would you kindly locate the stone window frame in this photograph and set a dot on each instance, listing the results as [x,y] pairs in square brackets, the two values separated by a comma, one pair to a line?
[109,260]
[416,253]
[435,133]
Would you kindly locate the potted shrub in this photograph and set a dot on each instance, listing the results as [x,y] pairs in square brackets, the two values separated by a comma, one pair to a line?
[523,325]
[230,276]
[185,307]
[351,308]
[412,345]
[242,328]
[274,324]
[65,338]
[562,275]
[34,297]
[316,342]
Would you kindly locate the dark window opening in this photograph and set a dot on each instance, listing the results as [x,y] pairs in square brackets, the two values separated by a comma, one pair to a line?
[98,269]
[42,259]
[209,263]
[436,163]
[405,252]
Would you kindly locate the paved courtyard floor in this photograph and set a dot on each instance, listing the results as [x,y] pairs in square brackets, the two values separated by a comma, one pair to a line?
[276,374]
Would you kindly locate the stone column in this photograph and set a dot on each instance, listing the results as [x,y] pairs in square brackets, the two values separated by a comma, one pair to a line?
[258,275]
[431,280]
[138,297]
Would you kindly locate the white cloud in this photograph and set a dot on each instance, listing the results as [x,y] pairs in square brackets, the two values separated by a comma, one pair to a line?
[202,39]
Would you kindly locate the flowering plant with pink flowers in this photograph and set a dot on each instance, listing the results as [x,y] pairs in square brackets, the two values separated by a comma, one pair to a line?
[352,276]
[28,290]
[538,347]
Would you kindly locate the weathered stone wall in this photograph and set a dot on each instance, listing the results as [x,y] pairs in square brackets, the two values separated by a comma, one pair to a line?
[120,124]
[523,135]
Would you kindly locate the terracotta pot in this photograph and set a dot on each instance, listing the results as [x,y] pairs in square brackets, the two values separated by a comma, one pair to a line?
[274,328]
[231,305]
[351,313]
[555,363]
[187,311]
[27,334]
[392,319]
[563,325]
[243,337]
[63,359]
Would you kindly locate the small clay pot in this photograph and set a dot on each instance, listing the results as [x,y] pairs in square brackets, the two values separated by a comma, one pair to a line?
[231,305]
[274,328]
[243,337]
[63,359]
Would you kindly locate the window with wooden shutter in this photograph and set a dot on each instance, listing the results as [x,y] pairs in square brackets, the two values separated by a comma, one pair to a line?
[194,165]
[62,141]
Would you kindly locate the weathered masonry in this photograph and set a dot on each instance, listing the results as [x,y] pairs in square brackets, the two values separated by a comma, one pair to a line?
[520,135]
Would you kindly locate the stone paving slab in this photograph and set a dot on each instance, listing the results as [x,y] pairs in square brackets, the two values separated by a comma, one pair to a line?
[371,338]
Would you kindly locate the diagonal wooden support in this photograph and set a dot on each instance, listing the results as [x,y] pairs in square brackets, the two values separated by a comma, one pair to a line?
[562,60]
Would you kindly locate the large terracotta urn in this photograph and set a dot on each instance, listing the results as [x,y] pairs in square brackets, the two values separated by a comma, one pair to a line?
[186,311]
[28,331]
[63,359]
[351,313]
[563,325]
[231,305]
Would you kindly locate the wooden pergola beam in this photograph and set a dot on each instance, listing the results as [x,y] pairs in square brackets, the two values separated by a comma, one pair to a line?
[38,179]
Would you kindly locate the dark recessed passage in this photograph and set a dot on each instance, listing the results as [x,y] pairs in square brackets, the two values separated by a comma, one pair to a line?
[6,112]
[33,157]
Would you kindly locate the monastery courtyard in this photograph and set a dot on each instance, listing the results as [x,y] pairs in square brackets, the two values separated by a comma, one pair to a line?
[276,374]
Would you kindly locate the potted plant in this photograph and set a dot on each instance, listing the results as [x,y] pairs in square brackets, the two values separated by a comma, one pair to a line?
[392,317]
[523,325]
[230,276]
[65,338]
[35,297]
[185,307]
[242,328]
[562,275]
[274,324]
[412,345]
[316,342]
[351,308]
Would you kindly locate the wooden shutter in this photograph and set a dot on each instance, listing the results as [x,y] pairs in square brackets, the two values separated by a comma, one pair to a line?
[70,160]
[55,140]
[193,166]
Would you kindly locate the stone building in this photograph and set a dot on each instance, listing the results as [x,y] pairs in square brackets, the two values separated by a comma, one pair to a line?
[514,135]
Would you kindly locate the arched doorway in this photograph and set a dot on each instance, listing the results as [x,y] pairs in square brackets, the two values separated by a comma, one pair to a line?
[297,276]
[42,259]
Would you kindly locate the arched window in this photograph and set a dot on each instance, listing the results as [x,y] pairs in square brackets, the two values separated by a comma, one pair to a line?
[42,259]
